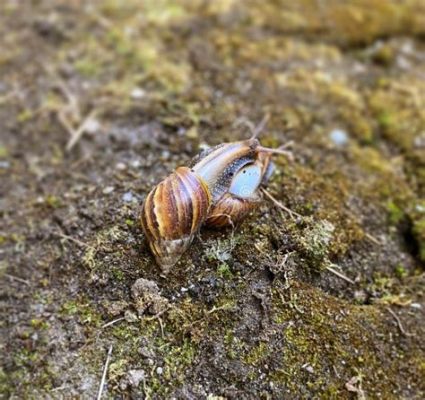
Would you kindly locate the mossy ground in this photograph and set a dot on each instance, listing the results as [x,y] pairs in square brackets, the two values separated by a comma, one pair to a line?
[254,313]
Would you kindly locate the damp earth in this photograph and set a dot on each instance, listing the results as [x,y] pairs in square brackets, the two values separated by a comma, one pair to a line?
[99,101]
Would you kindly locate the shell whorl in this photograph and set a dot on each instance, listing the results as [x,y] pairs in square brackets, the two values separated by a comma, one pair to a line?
[229,211]
[172,214]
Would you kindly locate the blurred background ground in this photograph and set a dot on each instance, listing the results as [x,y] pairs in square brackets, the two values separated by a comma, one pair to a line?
[99,100]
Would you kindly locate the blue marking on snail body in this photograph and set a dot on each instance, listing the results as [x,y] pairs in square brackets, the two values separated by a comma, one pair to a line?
[246,182]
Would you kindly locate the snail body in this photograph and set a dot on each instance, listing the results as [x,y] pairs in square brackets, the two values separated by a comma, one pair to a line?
[219,188]
[242,196]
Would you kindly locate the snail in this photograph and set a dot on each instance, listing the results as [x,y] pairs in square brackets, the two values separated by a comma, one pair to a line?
[242,195]
[218,188]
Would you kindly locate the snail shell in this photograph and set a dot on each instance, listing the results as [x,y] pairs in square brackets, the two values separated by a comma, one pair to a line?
[173,213]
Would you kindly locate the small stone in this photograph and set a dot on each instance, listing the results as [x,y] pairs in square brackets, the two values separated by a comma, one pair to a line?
[116,308]
[135,376]
[339,137]
[108,190]
[360,296]
[159,370]
[127,197]
[145,352]
[192,133]
[136,164]
[165,155]
[121,166]
[92,125]
[138,93]
[147,298]
[130,316]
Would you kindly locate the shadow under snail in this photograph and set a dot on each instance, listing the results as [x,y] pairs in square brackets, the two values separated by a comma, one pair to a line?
[219,188]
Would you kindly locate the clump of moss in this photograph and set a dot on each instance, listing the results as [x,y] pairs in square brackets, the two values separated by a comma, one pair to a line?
[315,243]
[395,213]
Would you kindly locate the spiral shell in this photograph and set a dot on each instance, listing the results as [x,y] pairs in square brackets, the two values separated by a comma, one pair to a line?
[229,210]
[173,213]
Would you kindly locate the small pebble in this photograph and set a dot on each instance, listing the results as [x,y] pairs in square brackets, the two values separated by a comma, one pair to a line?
[92,125]
[130,316]
[128,197]
[159,370]
[108,190]
[135,164]
[339,137]
[137,93]
[135,376]
[192,133]
[165,155]
[121,166]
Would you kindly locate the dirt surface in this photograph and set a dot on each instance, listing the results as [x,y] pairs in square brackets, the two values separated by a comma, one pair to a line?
[252,313]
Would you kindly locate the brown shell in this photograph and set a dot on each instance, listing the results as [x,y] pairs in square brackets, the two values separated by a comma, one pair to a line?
[172,214]
[229,211]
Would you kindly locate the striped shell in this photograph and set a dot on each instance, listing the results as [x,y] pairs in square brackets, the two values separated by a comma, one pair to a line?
[173,213]
[229,211]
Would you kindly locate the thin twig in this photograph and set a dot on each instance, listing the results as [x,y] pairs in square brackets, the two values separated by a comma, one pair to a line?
[400,326]
[79,242]
[372,239]
[112,322]
[340,275]
[16,278]
[80,130]
[280,205]
[73,103]
[105,371]
[161,326]
[65,123]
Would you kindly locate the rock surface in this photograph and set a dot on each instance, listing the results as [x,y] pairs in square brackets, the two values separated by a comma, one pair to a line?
[99,101]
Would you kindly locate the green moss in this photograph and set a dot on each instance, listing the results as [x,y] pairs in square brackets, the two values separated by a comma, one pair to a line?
[3,151]
[53,201]
[69,308]
[39,324]
[87,67]
[400,271]
[385,119]
[129,222]
[395,214]
[25,116]
[117,273]
[224,271]
[86,313]
[315,243]
[257,354]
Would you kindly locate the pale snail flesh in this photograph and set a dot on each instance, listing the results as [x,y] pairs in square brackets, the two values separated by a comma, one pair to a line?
[219,188]
[242,196]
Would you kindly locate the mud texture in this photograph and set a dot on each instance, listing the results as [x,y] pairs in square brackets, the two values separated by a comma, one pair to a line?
[253,313]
